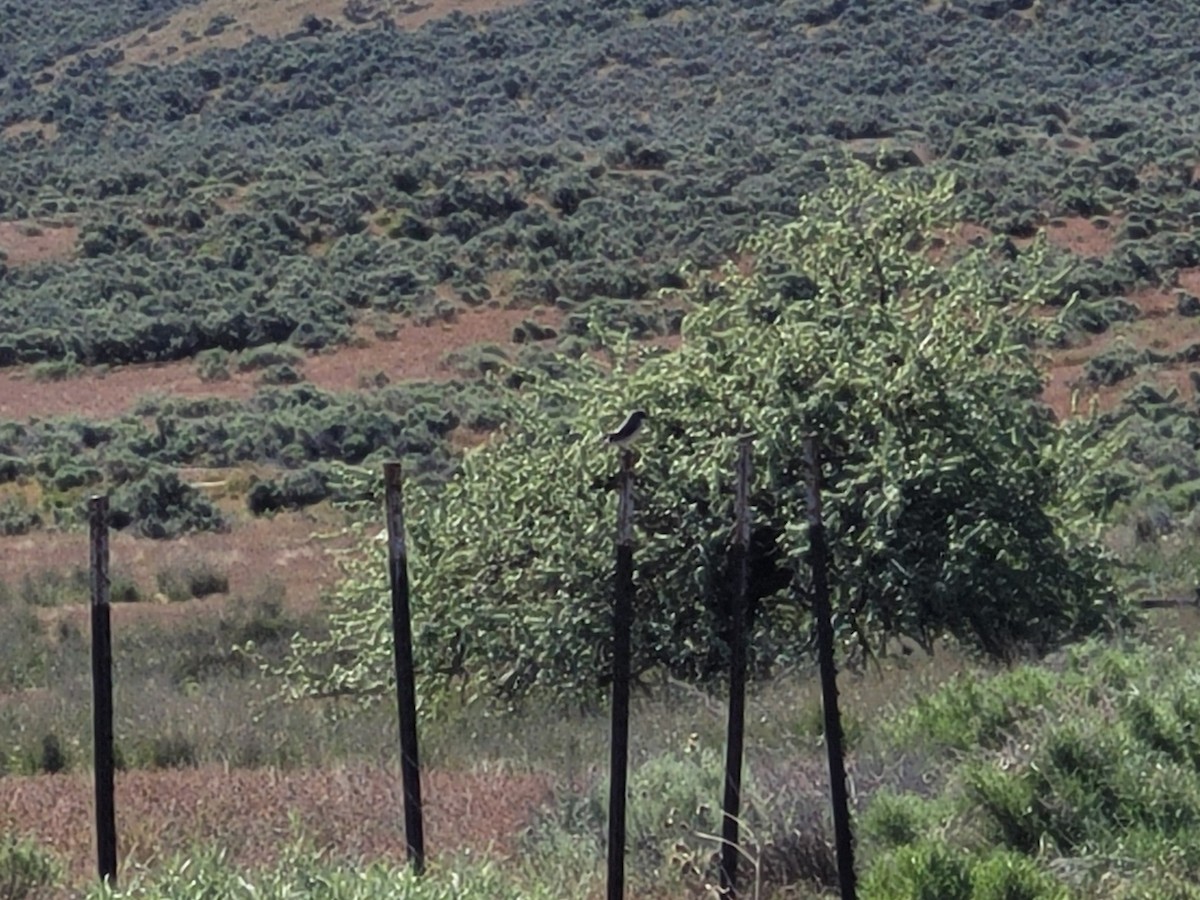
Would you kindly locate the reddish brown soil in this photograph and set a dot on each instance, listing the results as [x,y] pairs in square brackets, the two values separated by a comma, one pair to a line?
[1085,237]
[416,354]
[1159,328]
[25,243]
[182,36]
[354,812]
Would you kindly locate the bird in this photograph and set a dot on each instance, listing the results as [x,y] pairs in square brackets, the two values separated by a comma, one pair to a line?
[628,431]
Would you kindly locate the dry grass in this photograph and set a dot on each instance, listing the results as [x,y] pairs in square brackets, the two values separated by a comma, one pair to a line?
[255,552]
[354,812]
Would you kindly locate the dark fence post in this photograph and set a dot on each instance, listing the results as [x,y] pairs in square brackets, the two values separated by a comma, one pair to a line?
[819,559]
[622,628]
[406,692]
[102,702]
[736,732]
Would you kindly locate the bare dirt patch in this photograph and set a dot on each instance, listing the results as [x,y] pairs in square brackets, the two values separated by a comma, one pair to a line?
[417,353]
[353,812]
[26,243]
[192,31]
[47,131]
[1083,236]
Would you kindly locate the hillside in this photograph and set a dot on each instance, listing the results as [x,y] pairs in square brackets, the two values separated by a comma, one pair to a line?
[224,193]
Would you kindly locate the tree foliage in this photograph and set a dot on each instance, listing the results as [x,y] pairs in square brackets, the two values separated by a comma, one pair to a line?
[954,503]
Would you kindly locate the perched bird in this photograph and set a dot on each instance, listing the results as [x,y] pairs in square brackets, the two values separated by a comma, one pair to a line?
[628,431]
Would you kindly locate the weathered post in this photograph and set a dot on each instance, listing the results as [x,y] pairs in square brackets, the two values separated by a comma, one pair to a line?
[102,702]
[406,693]
[622,628]
[736,731]
[819,560]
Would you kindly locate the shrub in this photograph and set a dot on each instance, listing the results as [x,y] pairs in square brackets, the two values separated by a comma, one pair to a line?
[674,797]
[971,712]
[53,757]
[123,589]
[191,580]
[269,355]
[892,820]
[56,370]
[17,518]
[928,870]
[281,374]
[1004,875]
[213,365]
[162,505]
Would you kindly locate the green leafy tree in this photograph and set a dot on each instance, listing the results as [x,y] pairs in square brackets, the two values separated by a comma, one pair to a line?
[954,503]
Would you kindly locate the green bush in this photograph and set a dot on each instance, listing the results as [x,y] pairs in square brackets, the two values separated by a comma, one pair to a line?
[213,365]
[971,711]
[56,587]
[161,505]
[892,820]
[281,374]
[164,751]
[123,589]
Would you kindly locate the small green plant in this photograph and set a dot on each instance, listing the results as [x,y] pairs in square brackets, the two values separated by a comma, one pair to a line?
[168,751]
[971,712]
[192,580]
[16,517]
[281,374]
[213,365]
[269,355]
[928,870]
[26,868]
[56,370]
[123,589]
[893,820]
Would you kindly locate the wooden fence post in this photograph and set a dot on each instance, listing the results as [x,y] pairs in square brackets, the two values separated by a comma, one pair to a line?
[102,702]
[622,629]
[406,692]
[736,731]
[819,559]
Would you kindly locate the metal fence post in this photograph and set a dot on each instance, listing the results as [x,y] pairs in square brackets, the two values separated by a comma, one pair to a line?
[406,693]
[736,732]
[622,628]
[102,702]
[819,559]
